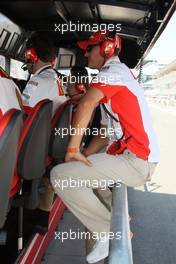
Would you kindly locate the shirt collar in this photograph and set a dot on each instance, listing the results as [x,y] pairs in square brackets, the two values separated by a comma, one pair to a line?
[42,68]
[114,59]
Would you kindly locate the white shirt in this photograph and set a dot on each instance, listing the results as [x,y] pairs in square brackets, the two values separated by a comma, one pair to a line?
[114,130]
[43,85]
[8,97]
[125,100]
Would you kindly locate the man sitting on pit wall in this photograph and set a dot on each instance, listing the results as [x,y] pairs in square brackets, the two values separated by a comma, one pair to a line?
[133,151]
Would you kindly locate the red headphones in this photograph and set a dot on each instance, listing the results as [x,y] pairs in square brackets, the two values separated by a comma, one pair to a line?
[53,61]
[80,88]
[109,44]
[31,55]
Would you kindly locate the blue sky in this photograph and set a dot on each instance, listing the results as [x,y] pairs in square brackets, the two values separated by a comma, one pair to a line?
[164,49]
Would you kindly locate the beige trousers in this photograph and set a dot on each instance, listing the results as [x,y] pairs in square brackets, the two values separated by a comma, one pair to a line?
[74,183]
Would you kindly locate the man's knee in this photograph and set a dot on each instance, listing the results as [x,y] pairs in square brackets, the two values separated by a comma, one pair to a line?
[58,180]
[139,181]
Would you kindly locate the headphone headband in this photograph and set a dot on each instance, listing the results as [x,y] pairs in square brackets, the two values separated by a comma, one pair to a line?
[31,55]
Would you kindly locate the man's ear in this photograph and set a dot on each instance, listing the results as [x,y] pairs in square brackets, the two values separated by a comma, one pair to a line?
[118,43]
[116,40]
[53,61]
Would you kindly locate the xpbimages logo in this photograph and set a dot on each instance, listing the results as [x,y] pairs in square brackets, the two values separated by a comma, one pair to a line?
[62,132]
[82,27]
[73,235]
[77,182]
[103,132]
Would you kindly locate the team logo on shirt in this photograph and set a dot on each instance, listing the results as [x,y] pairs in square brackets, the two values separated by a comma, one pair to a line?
[33,83]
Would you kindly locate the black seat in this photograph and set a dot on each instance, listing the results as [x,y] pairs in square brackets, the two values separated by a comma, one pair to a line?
[33,151]
[10,126]
[60,122]
[94,124]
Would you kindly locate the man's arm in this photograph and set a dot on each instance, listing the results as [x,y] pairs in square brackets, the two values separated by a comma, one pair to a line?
[81,119]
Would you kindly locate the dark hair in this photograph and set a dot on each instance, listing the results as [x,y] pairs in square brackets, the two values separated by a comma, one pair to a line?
[43,45]
[80,74]
[116,51]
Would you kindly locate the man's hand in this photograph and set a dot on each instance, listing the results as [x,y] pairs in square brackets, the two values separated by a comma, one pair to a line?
[77,156]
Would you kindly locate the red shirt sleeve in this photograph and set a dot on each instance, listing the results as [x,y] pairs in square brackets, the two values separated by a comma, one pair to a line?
[108,90]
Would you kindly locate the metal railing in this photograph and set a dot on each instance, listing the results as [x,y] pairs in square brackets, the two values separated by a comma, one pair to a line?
[120,247]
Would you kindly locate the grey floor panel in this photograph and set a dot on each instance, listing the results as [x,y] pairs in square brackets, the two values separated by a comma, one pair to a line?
[154,227]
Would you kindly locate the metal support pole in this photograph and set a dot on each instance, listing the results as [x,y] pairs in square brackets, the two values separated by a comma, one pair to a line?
[120,246]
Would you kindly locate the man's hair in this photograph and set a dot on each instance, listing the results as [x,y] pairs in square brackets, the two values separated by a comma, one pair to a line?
[80,74]
[116,51]
[43,45]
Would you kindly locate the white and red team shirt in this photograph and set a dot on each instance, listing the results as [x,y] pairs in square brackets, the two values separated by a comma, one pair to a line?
[124,98]
[44,84]
[8,97]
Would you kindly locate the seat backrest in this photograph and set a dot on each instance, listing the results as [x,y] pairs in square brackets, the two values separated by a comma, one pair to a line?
[93,124]
[10,127]
[61,123]
[34,142]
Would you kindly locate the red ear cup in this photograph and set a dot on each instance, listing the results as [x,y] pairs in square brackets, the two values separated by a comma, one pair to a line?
[31,55]
[107,48]
[80,87]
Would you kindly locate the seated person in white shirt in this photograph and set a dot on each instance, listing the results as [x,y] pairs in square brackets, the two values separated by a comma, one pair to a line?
[10,94]
[45,82]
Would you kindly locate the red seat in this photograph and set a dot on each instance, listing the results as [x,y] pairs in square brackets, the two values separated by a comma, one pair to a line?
[32,152]
[27,109]
[10,126]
